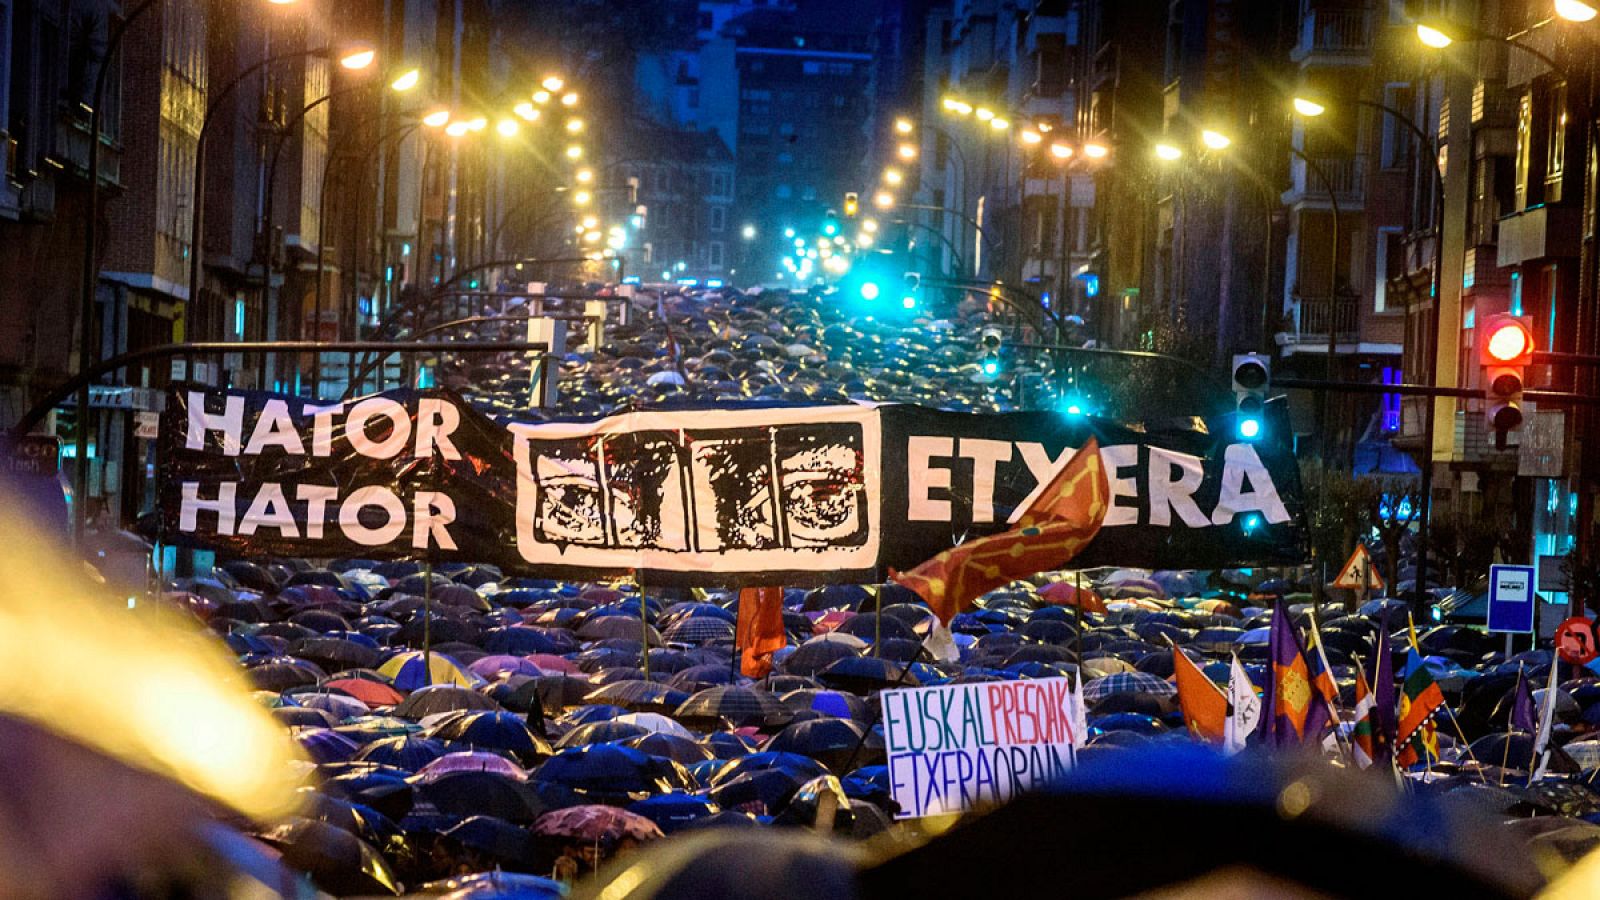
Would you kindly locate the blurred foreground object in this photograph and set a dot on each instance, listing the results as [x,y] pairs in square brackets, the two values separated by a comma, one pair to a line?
[123,728]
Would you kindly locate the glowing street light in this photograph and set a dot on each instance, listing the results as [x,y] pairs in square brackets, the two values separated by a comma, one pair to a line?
[569,99]
[584,176]
[407,80]
[541,97]
[437,119]
[574,152]
[358,59]
[903,125]
[984,113]
[552,83]
[1095,150]
[1167,152]
[477,123]
[457,129]
[582,198]
[748,232]
[1308,108]
[1029,136]
[574,125]
[999,124]
[892,177]
[1060,150]
[907,152]
[870,226]
[506,127]
[590,223]
[1433,37]
[1575,10]
[1215,140]
[883,200]
[526,111]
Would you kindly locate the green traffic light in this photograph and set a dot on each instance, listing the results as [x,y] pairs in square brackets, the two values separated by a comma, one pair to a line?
[869,290]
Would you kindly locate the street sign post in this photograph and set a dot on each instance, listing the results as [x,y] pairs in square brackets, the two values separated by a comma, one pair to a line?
[1511,599]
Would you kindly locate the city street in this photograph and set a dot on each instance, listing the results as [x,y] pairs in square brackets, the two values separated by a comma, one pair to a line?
[796,448]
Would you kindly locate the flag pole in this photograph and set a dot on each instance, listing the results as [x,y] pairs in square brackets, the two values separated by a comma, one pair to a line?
[1505,757]
[1333,702]
[427,621]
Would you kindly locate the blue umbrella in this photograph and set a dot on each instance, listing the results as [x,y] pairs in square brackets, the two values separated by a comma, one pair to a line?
[674,810]
[501,732]
[606,773]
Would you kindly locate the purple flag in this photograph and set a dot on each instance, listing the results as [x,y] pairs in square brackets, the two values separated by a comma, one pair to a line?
[1522,707]
[1290,699]
[1385,712]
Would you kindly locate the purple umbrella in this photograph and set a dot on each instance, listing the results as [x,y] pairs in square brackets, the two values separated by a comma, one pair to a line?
[501,664]
[470,761]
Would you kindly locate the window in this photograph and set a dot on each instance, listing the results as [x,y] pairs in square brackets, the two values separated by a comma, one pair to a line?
[1556,145]
[719,218]
[1395,147]
[1391,263]
[1524,148]
[714,254]
[719,184]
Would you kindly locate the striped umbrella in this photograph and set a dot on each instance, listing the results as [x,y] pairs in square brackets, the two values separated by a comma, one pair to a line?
[1127,683]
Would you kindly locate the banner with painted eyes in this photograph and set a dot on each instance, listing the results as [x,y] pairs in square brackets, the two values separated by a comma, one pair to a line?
[727,496]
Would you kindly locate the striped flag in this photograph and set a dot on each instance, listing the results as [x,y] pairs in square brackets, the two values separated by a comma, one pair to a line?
[1244,709]
[1420,699]
[1361,736]
[1205,709]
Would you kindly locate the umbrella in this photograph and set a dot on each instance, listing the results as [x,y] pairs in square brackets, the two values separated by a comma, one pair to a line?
[502,843]
[597,824]
[410,752]
[441,698]
[409,671]
[643,696]
[496,885]
[499,731]
[674,810]
[337,705]
[670,746]
[619,627]
[656,723]
[372,693]
[1127,683]
[471,761]
[501,664]
[865,674]
[737,704]
[600,733]
[699,630]
[335,653]
[521,640]
[815,655]
[324,745]
[480,793]
[283,673]
[303,717]
[839,744]
[829,703]
[606,773]
[338,861]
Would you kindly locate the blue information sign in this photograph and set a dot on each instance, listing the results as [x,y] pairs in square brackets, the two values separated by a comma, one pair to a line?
[1511,598]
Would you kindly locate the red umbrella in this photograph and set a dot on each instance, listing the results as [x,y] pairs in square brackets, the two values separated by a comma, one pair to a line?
[1063,593]
[372,693]
[551,664]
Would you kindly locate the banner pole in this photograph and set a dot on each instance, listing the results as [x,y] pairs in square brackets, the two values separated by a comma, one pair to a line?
[877,622]
[427,622]
[644,625]
[1077,620]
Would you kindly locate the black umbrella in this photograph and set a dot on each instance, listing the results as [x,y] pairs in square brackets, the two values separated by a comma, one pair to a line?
[441,698]
[502,732]
[815,655]
[481,793]
[503,844]
[407,751]
[338,861]
[740,705]
[836,743]
[865,674]
[606,773]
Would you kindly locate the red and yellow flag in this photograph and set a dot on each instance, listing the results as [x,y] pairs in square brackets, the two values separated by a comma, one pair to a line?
[1060,522]
[760,630]
[1205,709]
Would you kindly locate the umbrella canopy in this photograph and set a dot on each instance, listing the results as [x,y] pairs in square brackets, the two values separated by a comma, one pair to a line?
[597,824]
[480,793]
[372,693]
[338,861]
[736,704]
[607,773]
[501,732]
[411,670]
[441,698]
[655,723]
[1128,683]
[839,744]
[471,761]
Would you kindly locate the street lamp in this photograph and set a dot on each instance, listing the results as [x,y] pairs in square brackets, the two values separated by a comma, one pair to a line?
[506,127]
[999,123]
[359,59]
[437,119]
[552,83]
[1060,150]
[1308,108]
[907,152]
[1575,10]
[1215,140]
[1167,152]
[1433,37]
[1096,150]
[574,126]
[748,232]
[457,129]
[903,125]
[883,200]
[574,152]
[541,97]
[569,99]
[584,176]
[984,113]
[526,111]
[407,80]
[892,177]
[1030,136]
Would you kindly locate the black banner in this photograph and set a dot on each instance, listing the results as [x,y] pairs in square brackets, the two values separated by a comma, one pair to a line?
[757,495]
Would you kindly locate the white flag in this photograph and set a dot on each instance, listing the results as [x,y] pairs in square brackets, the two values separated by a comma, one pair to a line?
[1541,743]
[941,643]
[1080,714]
[1244,709]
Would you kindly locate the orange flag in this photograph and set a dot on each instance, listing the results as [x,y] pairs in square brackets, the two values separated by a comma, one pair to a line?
[1060,522]
[1205,709]
[760,633]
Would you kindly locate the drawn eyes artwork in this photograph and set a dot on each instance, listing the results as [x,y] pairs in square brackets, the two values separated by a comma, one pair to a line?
[785,487]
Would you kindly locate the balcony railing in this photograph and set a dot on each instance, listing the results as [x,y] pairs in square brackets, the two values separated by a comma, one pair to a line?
[1316,313]
[1346,175]
[1334,32]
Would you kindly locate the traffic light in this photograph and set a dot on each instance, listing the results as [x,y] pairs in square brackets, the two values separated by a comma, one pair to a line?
[830,223]
[1504,351]
[852,204]
[1251,374]
[989,340]
[908,298]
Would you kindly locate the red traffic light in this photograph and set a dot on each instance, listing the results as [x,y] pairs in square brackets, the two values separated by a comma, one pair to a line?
[1507,340]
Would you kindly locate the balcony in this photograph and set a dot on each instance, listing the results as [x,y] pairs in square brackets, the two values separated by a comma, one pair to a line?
[1334,37]
[1540,232]
[1346,176]
[1311,318]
